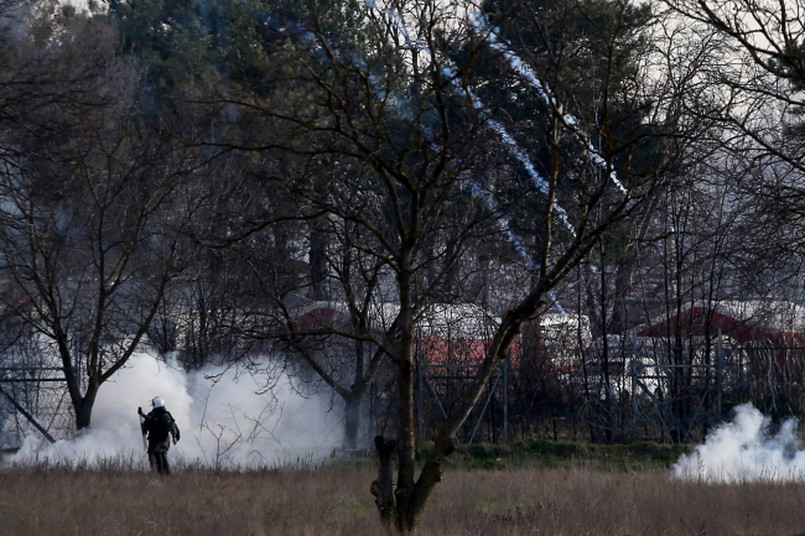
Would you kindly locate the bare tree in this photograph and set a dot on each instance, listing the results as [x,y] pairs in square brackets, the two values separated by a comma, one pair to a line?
[90,222]
[758,47]
[764,72]
[433,170]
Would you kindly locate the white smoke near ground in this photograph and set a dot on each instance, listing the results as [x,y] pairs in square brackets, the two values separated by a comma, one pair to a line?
[744,450]
[229,419]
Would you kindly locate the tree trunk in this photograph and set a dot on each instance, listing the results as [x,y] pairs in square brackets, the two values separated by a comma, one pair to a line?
[83,409]
[352,420]
[400,507]
[407,511]
[318,262]
[383,487]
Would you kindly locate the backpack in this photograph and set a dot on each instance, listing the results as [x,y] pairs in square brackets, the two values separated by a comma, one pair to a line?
[159,426]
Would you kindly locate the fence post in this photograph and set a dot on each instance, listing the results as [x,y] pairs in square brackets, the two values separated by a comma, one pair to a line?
[634,370]
[719,373]
[506,400]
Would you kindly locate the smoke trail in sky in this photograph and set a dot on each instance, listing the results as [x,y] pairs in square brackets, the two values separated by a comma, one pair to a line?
[542,90]
[744,451]
[226,417]
[397,20]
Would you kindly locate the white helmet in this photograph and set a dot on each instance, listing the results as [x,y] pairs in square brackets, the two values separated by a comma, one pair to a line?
[158,402]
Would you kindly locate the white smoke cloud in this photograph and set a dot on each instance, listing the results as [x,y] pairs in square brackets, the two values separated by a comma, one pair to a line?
[744,451]
[228,419]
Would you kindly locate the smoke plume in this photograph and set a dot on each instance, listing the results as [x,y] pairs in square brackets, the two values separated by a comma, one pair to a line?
[229,419]
[745,451]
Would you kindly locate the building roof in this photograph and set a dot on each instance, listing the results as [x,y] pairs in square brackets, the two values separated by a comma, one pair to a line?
[466,321]
[745,321]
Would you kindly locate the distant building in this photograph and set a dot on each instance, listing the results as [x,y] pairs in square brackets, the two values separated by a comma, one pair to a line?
[768,322]
[753,347]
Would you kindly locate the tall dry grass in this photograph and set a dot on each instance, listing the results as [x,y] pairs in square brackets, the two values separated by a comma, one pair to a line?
[336,501]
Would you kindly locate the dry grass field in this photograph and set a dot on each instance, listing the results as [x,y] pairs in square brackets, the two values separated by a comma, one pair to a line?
[335,501]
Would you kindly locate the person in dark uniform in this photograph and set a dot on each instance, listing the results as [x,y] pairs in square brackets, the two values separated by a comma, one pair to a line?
[161,428]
